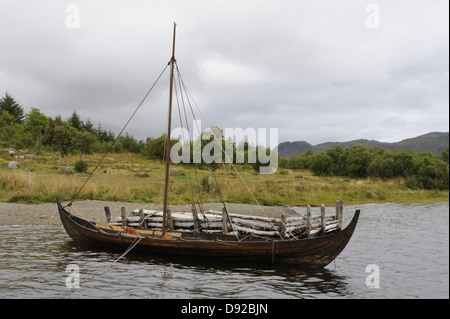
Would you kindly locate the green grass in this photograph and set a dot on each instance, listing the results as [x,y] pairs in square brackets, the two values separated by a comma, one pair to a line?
[286,187]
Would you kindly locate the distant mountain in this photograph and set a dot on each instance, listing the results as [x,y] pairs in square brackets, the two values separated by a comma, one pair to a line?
[434,142]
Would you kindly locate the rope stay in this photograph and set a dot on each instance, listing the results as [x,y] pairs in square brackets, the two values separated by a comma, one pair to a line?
[225,153]
[182,93]
[120,133]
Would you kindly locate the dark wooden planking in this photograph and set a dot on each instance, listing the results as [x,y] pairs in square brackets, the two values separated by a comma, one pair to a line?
[313,251]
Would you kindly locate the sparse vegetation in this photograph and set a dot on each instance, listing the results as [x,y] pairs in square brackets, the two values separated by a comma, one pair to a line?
[357,174]
[287,187]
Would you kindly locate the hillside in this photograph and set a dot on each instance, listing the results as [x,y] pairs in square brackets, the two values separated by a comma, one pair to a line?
[434,142]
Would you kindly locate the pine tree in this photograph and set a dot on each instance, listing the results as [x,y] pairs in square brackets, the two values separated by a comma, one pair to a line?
[7,103]
[76,121]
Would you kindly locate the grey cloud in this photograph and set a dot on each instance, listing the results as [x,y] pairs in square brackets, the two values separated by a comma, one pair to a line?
[312,69]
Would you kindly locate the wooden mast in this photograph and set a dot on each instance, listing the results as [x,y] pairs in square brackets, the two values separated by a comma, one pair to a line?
[166,181]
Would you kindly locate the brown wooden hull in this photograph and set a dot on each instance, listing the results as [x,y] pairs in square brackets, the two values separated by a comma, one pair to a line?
[314,251]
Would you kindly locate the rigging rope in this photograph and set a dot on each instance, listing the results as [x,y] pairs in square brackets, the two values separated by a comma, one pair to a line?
[182,132]
[132,245]
[182,87]
[111,146]
[229,160]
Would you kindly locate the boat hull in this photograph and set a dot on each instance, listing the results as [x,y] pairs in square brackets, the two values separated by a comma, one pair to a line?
[314,251]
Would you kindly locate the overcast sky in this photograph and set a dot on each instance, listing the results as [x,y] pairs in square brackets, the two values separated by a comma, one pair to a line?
[317,70]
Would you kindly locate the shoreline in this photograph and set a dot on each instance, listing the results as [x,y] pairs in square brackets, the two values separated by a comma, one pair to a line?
[93,210]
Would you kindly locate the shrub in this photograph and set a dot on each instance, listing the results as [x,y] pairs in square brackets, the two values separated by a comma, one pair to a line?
[81,167]
[321,164]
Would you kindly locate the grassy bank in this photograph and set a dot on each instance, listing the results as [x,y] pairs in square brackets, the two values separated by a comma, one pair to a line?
[286,187]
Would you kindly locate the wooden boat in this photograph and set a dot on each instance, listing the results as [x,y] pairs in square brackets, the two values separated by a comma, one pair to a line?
[312,251]
[292,239]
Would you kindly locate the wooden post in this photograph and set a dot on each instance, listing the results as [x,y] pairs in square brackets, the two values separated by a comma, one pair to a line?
[283,231]
[124,217]
[169,219]
[195,219]
[341,213]
[224,221]
[337,210]
[141,218]
[308,221]
[108,214]
[322,219]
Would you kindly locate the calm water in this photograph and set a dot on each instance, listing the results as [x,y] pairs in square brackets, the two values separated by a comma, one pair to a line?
[407,246]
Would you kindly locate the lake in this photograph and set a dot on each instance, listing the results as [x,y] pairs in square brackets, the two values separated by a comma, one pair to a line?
[397,251]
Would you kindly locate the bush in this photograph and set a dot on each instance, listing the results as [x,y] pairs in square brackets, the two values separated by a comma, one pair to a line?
[81,167]
[205,185]
[382,166]
[412,183]
[321,164]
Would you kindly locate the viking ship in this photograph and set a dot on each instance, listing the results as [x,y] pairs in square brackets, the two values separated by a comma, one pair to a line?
[302,239]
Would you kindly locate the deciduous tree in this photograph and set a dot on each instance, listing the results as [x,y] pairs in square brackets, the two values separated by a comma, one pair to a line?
[35,122]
